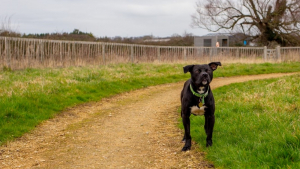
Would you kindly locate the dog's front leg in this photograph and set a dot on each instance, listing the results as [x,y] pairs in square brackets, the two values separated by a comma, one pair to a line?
[187,135]
[209,126]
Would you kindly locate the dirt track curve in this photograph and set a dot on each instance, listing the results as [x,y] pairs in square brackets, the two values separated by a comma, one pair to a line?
[138,129]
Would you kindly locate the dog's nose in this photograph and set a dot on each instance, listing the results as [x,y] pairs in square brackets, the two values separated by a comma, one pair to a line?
[205,75]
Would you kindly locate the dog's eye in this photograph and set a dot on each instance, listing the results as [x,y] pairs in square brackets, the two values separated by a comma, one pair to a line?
[197,71]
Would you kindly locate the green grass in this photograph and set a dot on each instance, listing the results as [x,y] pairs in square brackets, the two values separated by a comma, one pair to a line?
[27,97]
[252,69]
[257,125]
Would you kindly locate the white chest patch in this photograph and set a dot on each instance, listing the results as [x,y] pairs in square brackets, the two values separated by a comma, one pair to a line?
[201,90]
[198,111]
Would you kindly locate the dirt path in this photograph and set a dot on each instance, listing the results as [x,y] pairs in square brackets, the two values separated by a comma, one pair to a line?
[132,130]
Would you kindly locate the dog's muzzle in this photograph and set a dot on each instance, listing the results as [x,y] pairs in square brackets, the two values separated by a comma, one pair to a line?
[204,79]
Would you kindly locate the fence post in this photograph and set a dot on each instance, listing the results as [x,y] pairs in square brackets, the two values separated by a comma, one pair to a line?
[158,53]
[5,49]
[7,53]
[41,50]
[184,54]
[60,53]
[278,54]
[73,57]
[237,52]
[210,53]
[265,53]
[103,53]
[131,53]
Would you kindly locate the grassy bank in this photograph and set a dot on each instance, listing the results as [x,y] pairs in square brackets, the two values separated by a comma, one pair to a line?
[257,125]
[30,96]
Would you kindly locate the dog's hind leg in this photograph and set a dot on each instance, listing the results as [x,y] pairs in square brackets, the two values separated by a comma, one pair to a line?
[209,126]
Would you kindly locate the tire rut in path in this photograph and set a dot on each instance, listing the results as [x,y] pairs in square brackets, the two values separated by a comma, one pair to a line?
[138,129]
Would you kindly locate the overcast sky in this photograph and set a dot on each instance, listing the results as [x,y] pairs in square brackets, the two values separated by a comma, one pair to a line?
[125,18]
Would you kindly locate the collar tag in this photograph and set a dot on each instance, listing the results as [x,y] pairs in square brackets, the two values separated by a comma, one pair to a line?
[200,104]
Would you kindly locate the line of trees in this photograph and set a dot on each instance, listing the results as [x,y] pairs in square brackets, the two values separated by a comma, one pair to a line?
[77,35]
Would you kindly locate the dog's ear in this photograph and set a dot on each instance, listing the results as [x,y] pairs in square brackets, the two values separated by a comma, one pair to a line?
[214,65]
[188,68]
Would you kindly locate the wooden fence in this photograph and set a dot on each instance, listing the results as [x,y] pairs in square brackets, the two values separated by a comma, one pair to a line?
[20,53]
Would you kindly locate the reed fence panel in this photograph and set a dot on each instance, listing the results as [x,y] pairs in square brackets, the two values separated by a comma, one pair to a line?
[20,53]
[290,54]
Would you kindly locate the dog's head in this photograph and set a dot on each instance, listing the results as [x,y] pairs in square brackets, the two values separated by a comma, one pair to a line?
[201,75]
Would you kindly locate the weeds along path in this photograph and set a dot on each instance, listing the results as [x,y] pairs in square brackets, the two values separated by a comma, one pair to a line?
[138,129]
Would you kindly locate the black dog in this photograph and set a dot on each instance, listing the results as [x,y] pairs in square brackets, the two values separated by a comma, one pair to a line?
[197,99]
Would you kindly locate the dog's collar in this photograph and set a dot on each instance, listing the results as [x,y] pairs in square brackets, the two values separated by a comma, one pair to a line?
[202,96]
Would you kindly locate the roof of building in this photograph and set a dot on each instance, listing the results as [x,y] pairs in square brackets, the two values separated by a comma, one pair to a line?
[219,34]
[157,40]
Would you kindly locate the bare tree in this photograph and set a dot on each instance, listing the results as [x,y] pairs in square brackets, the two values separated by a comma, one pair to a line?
[6,28]
[264,20]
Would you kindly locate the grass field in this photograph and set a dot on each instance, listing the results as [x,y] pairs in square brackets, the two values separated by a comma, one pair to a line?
[30,96]
[257,125]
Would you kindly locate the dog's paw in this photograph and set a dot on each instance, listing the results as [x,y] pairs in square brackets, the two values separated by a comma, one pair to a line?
[198,111]
[186,148]
[209,143]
